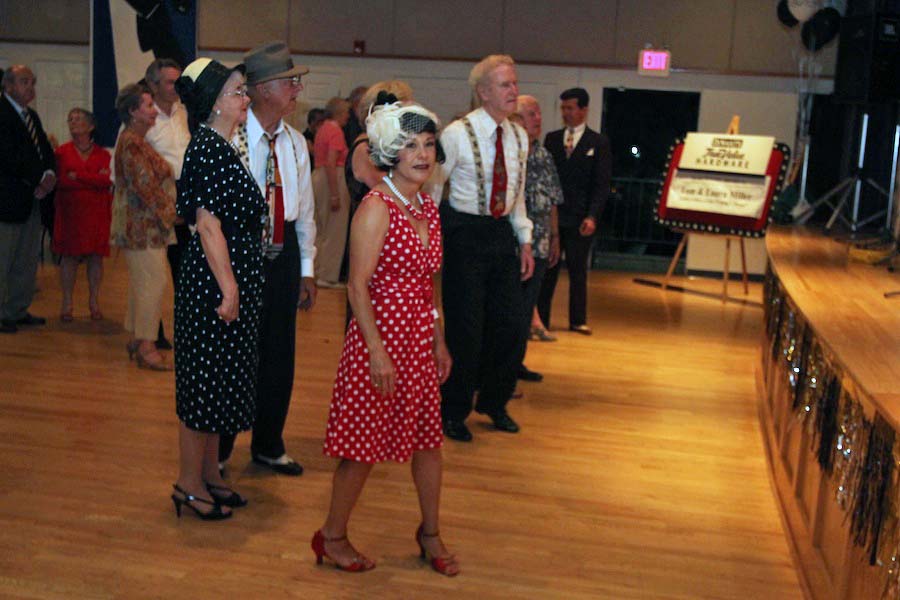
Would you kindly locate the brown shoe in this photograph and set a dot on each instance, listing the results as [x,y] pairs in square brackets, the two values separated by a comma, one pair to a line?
[152,361]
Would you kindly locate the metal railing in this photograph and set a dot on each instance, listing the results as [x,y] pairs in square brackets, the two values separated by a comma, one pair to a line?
[627,224]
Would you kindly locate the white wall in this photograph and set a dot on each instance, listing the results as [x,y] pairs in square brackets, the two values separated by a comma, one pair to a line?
[63,81]
[63,77]
[762,113]
[441,85]
[767,105]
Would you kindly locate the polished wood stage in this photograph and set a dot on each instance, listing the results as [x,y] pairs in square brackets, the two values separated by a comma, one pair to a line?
[639,471]
[841,309]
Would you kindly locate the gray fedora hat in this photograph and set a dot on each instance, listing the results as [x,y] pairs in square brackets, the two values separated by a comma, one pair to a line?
[271,61]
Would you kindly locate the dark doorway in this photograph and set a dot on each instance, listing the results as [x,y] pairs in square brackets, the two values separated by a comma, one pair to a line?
[641,125]
[835,130]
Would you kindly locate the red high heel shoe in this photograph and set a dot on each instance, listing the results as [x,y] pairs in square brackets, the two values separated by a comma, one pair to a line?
[442,564]
[359,563]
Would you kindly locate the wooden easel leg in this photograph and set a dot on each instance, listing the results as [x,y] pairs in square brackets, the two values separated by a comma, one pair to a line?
[744,268]
[725,271]
[675,258]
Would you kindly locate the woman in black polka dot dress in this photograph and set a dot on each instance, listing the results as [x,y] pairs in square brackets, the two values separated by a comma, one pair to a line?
[217,295]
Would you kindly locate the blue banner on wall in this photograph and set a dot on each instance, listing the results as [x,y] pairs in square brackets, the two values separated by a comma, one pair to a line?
[126,36]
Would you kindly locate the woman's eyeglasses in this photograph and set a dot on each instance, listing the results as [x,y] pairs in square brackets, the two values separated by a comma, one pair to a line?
[240,92]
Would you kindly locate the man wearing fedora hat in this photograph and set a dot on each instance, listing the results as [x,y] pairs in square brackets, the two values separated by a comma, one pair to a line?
[278,158]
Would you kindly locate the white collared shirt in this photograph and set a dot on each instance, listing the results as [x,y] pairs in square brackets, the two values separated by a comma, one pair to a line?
[459,167]
[170,136]
[577,132]
[293,164]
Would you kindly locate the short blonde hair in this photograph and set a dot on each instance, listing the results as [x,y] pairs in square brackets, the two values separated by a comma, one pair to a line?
[480,72]
[398,88]
[335,106]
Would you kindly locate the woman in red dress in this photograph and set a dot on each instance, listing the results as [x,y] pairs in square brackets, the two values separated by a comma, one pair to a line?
[83,211]
[386,400]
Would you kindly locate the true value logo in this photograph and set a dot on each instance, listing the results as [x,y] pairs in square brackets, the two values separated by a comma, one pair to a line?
[723,152]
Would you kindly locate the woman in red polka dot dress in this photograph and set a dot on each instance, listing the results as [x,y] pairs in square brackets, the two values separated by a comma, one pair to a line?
[386,400]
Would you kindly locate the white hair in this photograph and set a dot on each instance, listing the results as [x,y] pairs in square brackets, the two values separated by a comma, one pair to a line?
[479,74]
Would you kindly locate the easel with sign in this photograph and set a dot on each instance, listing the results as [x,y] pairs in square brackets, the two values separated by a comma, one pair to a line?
[721,185]
[733,128]
[728,238]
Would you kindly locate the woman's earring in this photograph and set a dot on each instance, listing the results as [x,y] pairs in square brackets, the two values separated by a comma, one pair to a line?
[218,112]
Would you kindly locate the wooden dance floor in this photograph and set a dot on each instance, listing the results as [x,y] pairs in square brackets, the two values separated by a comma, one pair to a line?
[639,471]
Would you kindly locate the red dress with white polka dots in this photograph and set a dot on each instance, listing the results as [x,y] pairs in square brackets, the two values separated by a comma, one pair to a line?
[364,425]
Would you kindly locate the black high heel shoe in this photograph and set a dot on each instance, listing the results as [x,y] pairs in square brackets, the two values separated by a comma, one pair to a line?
[232,500]
[215,514]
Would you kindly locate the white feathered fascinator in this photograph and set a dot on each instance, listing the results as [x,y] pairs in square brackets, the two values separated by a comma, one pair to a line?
[390,125]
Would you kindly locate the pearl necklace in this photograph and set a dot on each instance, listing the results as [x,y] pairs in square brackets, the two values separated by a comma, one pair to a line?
[416,213]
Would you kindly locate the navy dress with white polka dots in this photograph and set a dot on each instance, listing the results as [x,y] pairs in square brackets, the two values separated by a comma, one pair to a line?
[216,362]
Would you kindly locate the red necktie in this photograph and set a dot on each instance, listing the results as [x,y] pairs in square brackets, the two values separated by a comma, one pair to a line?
[498,188]
[275,194]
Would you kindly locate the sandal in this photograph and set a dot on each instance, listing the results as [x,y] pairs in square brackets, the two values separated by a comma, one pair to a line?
[445,565]
[186,499]
[156,364]
[359,563]
[231,500]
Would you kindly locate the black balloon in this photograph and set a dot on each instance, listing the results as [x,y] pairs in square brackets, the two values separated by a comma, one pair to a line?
[821,28]
[785,16]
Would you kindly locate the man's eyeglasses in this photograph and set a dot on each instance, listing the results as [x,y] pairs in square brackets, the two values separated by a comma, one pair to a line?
[293,81]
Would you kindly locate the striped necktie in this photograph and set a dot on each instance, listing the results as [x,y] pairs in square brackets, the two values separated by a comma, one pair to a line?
[32,132]
[275,199]
[570,141]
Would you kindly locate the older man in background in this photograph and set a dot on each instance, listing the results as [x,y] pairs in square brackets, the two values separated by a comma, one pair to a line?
[487,250]
[277,157]
[542,195]
[170,137]
[27,177]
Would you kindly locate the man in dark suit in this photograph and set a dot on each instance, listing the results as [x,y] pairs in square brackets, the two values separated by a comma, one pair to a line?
[584,163]
[26,177]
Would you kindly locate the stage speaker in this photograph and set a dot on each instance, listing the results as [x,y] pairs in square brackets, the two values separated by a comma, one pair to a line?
[868,62]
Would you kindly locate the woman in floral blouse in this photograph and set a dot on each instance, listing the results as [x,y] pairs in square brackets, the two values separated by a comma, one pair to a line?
[142,222]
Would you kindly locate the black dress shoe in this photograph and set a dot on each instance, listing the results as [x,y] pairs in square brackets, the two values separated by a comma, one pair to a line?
[582,329]
[503,421]
[457,430]
[30,319]
[162,343]
[8,326]
[285,467]
[526,374]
